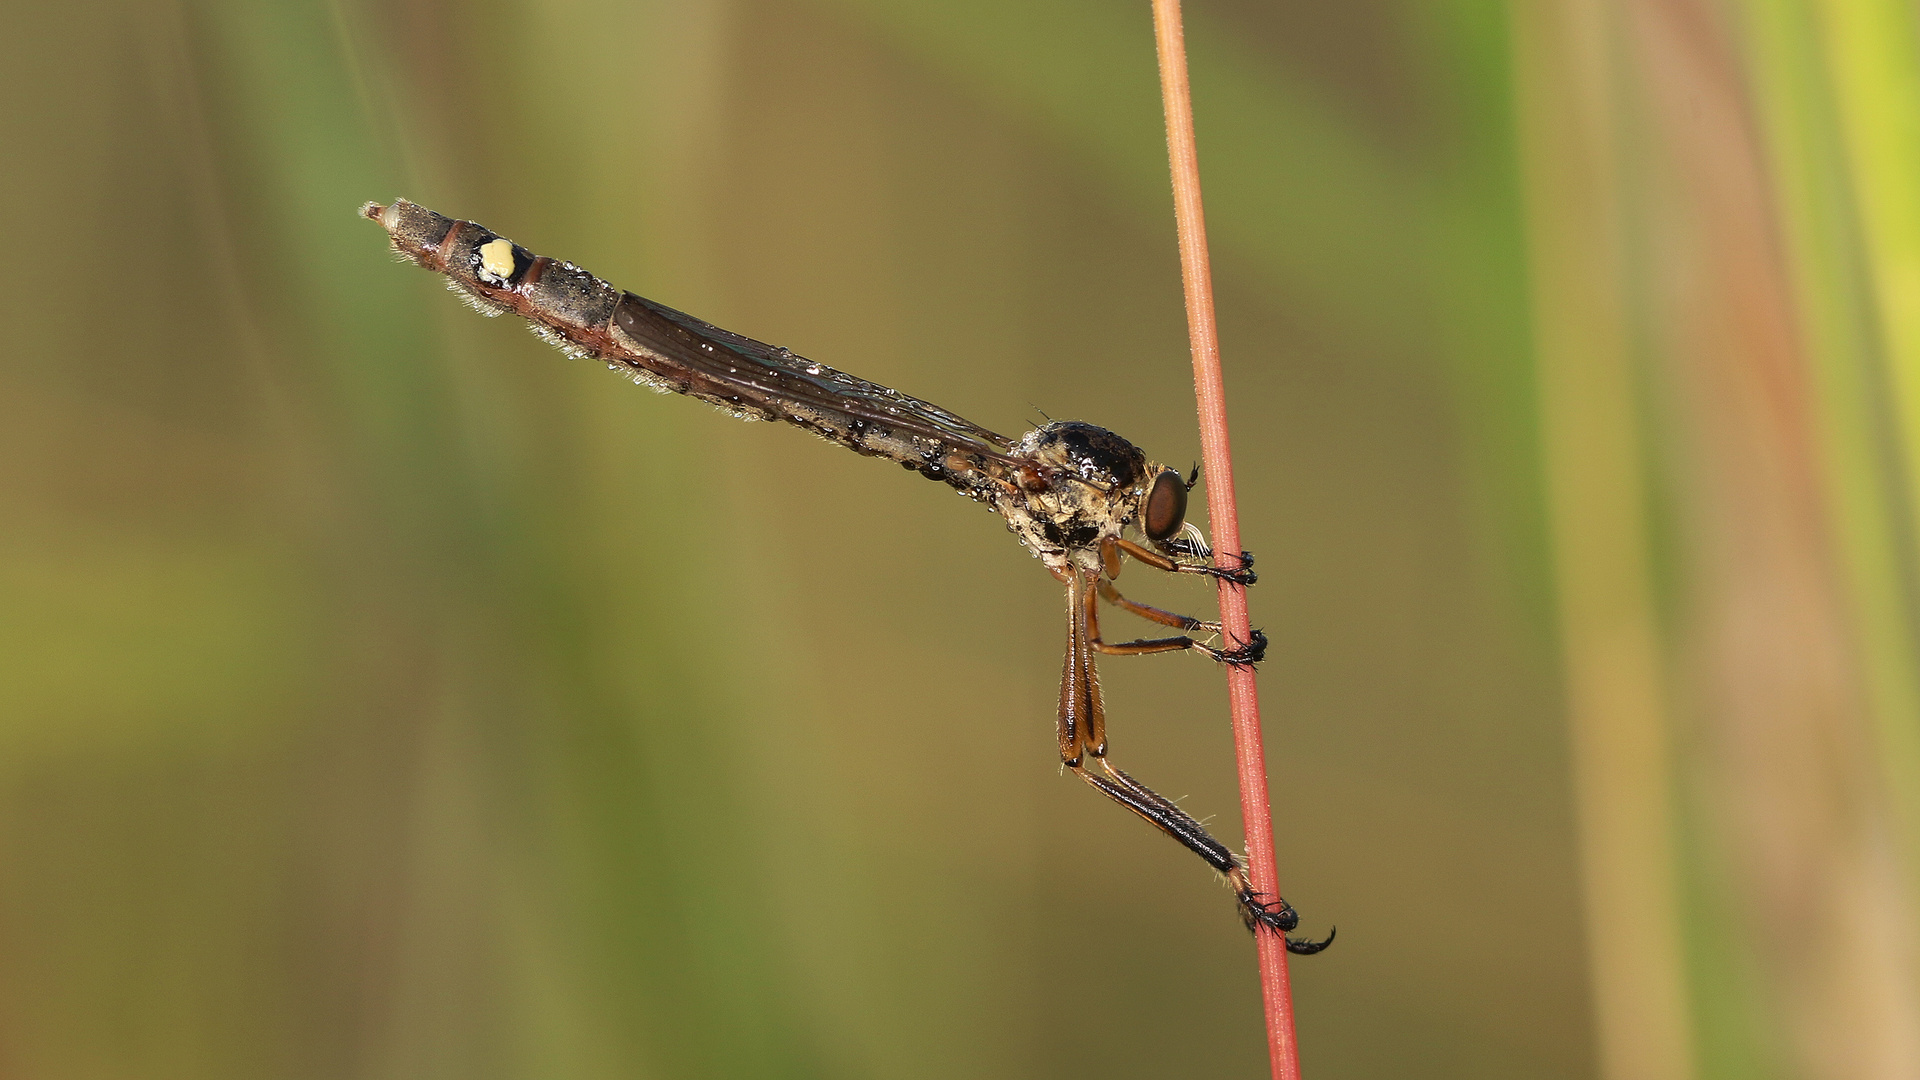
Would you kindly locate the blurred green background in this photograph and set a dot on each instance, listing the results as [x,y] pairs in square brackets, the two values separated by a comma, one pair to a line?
[383,695]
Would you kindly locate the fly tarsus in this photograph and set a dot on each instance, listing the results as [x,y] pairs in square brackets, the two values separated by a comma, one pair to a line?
[1188,547]
[1192,547]
[1263,914]
[1246,654]
[1241,575]
[1278,916]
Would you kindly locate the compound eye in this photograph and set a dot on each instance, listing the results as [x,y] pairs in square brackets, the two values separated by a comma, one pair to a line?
[1166,506]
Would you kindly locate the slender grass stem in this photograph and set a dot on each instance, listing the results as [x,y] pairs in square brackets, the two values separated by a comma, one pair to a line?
[1210,390]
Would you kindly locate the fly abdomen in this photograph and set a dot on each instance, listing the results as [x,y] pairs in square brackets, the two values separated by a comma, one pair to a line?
[670,350]
[568,297]
[416,231]
[498,274]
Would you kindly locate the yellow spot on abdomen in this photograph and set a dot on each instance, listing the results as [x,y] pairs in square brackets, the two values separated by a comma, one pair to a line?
[496,261]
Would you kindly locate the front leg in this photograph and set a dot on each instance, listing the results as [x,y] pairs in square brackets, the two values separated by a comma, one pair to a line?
[1191,546]
[1238,575]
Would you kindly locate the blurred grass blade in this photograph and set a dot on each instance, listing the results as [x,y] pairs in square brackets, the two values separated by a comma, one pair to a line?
[1872,54]
[1595,454]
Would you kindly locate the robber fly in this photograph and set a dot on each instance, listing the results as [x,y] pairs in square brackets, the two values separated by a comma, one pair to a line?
[1071,492]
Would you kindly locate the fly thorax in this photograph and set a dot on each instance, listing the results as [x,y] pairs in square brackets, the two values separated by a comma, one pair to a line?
[1092,487]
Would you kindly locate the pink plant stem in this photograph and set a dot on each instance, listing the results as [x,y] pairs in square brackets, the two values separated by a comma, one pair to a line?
[1209,388]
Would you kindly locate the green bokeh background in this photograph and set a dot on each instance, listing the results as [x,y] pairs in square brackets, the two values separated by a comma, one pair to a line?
[383,695]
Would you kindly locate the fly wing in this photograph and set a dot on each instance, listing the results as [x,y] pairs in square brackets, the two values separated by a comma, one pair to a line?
[767,379]
[674,351]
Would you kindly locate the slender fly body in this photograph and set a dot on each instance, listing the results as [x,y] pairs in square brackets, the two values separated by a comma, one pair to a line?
[1078,496]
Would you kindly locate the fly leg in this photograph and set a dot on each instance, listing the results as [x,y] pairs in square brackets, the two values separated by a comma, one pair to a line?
[1238,575]
[1251,652]
[1154,614]
[1192,545]
[1083,735]
[1255,909]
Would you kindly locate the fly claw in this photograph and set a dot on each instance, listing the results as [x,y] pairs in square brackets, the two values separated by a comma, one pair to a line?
[1307,946]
